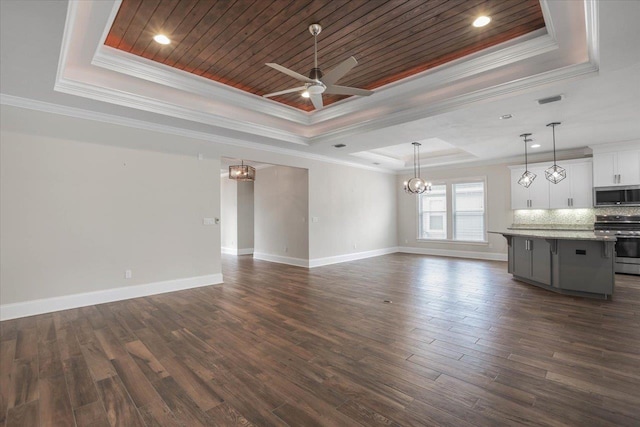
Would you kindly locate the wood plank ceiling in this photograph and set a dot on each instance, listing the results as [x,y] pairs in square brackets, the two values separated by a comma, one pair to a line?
[230,41]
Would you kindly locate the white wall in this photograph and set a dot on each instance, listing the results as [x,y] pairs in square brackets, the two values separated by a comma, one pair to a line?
[498,211]
[245,217]
[75,215]
[147,216]
[229,214]
[281,200]
[356,211]
[236,206]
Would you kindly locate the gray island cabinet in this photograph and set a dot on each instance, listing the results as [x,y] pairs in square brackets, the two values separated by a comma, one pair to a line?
[569,262]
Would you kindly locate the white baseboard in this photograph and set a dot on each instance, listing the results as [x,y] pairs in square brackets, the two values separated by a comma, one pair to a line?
[47,305]
[490,256]
[234,251]
[229,251]
[298,262]
[318,262]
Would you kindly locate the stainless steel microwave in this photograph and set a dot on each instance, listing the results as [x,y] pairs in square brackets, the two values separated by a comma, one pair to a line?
[616,196]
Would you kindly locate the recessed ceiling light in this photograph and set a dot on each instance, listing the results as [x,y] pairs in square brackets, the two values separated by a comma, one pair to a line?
[305,94]
[162,39]
[481,21]
[535,145]
[340,145]
[376,163]
[505,116]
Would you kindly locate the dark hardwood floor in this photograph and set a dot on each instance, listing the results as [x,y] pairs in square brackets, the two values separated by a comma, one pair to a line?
[460,344]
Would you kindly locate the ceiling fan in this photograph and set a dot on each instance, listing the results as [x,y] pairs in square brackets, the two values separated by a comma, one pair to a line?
[318,83]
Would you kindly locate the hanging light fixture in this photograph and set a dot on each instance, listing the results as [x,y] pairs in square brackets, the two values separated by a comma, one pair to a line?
[242,172]
[555,173]
[416,185]
[527,177]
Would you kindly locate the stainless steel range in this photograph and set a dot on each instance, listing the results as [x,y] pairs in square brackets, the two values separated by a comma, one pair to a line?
[626,229]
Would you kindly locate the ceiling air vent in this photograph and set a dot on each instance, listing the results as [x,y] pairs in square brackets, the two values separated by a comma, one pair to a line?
[550,99]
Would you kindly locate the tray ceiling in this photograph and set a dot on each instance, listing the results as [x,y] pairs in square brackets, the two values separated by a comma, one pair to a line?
[230,42]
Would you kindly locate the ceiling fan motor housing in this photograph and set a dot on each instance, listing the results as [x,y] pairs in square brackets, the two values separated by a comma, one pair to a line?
[315,74]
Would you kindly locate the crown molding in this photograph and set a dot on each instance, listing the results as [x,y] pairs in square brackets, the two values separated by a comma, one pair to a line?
[521,48]
[143,68]
[32,104]
[593,32]
[420,111]
[140,102]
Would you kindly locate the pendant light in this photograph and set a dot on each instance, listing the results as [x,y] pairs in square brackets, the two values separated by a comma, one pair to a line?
[555,173]
[242,172]
[416,185]
[527,177]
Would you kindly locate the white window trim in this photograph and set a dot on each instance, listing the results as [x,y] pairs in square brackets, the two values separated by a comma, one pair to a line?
[449,192]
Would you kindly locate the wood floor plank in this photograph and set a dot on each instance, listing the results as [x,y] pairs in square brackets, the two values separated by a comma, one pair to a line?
[463,344]
[82,390]
[117,403]
[7,353]
[23,415]
[55,406]
[24,388]
[91,415]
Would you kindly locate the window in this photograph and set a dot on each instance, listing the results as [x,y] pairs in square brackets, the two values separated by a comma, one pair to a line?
[433,213]
[468,211]
[453,211]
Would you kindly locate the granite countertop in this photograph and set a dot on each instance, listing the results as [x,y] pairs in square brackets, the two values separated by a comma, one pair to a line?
[556,234]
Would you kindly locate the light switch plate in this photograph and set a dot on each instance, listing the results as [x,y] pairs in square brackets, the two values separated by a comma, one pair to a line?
[208,221]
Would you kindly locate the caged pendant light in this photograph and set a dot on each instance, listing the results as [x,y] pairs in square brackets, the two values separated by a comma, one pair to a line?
[527,177]
[555,173]
[416,185]
[242,172]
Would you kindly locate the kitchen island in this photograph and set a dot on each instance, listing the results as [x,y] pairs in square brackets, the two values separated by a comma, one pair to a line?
[569,262]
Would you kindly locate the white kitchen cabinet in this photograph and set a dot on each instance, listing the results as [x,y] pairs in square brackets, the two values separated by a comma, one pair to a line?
[534,197]
[612,168]
[576,190]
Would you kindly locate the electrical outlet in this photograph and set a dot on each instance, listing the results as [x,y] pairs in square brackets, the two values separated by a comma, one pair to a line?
[314,219]
[286,249]
[128,274]
[355,246]
[406,240]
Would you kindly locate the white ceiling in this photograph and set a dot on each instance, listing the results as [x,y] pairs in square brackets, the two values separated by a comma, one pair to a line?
[52,58]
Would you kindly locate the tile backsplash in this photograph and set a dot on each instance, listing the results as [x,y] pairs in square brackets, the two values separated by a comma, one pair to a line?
[566,218]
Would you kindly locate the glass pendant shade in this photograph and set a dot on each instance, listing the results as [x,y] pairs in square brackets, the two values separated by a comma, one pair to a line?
[416,185]
[555,173]
[242,172]
[527,177]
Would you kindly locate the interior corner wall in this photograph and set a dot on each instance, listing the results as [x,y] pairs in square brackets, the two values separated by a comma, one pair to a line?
[229,214]
[245,217]
[498,211]
[281,198]
[74,214]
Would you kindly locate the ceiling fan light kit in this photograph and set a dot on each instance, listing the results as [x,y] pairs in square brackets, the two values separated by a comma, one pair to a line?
[318,83]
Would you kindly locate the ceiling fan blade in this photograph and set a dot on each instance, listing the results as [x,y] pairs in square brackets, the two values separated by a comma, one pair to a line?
[290,73]
[345,90]
[282,92]
[316,98]
[339,71]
